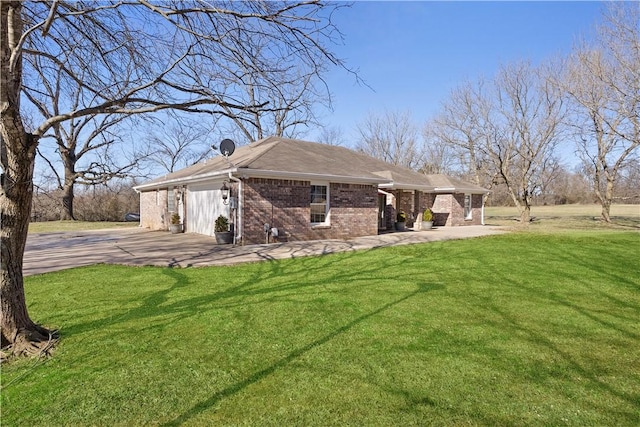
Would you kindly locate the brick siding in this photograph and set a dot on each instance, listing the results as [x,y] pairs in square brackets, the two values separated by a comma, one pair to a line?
[285,204]
[153,210]
[448,210]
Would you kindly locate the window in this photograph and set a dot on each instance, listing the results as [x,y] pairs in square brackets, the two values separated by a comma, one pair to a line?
[319,204]
[467,206]
[171,202]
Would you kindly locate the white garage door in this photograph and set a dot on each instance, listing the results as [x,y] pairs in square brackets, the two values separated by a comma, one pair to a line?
[204,205]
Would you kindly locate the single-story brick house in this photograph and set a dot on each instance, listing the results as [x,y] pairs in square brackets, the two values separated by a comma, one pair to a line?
[305,190]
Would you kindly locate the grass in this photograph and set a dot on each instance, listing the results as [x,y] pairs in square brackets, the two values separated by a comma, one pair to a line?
[524,329]
[56,226]
[567,217]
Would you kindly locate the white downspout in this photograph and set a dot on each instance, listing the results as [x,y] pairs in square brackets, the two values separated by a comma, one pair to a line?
[238,232]
[484,201]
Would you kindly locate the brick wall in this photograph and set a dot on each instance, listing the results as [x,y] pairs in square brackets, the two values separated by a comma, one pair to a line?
[476,207]
[457,209]
[354,211]
[153,210]
[423,201]
[285,204]
[449,210]
[442,209]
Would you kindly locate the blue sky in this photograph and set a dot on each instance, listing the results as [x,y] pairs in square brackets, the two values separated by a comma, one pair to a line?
[413,53]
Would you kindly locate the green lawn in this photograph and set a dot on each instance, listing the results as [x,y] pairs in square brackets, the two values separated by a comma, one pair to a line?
[56,226]
[518,329]
[559,218]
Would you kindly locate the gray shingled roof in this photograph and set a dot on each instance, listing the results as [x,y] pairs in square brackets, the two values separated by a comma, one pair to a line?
[275,156]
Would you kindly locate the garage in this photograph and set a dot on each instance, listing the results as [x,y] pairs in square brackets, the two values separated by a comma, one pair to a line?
[204,205]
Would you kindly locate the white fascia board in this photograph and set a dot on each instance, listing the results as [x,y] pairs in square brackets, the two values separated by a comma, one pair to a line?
[394,186]
[430,189]
[261,173]
[460,190]
[184,180]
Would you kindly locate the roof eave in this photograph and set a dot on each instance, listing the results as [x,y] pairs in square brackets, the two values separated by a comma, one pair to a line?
[304,176]
[183,180]
[461,190]
[432,189]
[404,186]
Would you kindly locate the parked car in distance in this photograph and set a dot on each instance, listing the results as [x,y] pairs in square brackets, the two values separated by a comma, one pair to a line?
[132,217]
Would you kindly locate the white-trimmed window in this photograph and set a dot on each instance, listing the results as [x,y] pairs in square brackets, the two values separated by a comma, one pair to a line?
[468,212]
[171,200]
[319,203]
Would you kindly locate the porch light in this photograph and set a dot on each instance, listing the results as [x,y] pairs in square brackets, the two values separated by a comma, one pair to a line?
[225,192]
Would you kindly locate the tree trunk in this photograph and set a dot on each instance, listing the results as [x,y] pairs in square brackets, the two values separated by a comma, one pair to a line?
[67,201]
[18,330]
[17,155]
[525,214]
[606,201]
[523,209]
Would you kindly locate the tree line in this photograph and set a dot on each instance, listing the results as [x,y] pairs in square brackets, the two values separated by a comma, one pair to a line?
[507,132]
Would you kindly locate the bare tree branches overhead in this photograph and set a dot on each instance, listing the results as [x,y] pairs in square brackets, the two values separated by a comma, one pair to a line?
[180,142]
[134,57]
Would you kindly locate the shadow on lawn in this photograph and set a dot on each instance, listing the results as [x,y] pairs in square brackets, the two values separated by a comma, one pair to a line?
[606,262]
[512,323]
[311,272]
[257,376]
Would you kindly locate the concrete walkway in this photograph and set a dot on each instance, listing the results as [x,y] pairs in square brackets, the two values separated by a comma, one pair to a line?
[48,252]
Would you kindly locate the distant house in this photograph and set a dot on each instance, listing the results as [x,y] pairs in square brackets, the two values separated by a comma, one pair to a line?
[302,190]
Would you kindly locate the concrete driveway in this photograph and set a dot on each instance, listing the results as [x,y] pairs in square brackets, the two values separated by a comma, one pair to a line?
[48,252]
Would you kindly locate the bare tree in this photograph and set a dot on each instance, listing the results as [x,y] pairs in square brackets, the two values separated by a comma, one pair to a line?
[440,155]
[508,130]
[529,113]
[465,127]
[87,138]
[331,135]
[281,95]
[127,58]
[287,108]
[82,144]
[602,83]
[463,131]
[391,136]
[182,142]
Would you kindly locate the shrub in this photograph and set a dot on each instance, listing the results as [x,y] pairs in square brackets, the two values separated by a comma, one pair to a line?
[401,216]
[222,224]
[427,215]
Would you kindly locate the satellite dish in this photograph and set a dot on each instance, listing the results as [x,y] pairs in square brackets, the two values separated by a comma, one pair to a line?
[227,147]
